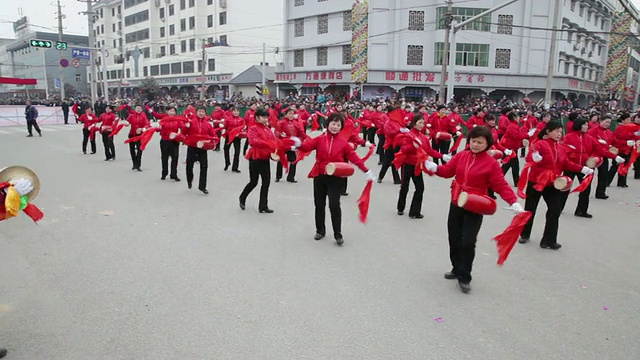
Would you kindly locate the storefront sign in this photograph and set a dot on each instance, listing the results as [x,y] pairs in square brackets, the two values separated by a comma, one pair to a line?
[317,76]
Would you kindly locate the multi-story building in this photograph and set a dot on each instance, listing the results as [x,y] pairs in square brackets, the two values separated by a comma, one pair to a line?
[622,75]
[397,47]
[164,40]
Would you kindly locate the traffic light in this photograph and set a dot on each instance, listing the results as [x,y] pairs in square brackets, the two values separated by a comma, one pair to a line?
[61,45]
[41,44]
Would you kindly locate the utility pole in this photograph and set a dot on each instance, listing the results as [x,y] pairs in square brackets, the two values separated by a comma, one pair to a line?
[61,69]
[264,69]
[442,93]
[552,55]
[204,60]
[455,27]
[92,44]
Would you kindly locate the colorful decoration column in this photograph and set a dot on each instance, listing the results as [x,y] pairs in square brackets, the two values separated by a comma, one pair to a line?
[360,41]
[618,57]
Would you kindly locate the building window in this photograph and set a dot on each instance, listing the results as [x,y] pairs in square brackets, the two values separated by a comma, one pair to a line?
[414,54]
[134,18]
[172,10]
[346,54]
[192,45]
[137,36]
[223,40]
[298,3]
[114,43]
[298,58]
[576,68]
[323,24]
[172,30]
[165,69]
[128,73]
[130,3]
[210,21]
[78,78]
[567,67]
[581,12]
[187,67]
[595,20]
[346,21]
[222,18]
[505,24]
[146,53]
[163,51]
[176,68]
[569,37]
[321,56]
[192,22]
[416,20]
[482,24]
[503,58]
[145,71]
[472,55]
[192,3]
[299,27]
[172,49]
[584,72]
[589,16]
[211,65]
[183,46]
[183,4]
[209,2]
[183,24]
[439,50]
[113,27]
[161,11]
[162,32]
[113,12]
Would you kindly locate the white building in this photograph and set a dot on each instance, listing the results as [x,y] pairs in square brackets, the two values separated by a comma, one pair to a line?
[505,53]
[164,39]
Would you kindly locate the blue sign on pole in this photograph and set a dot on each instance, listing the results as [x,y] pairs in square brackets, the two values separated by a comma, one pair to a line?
[77,53]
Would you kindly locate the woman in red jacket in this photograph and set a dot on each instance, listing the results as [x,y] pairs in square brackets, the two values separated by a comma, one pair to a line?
[512,140]
[413,142]
[88,119]
[548,160]
[624,141]
[169,147]
[200,124]
[231,122]
[261,139]
[475,172]
[330,147]
[604,137]
[108,119]
[139,123]
[581,147]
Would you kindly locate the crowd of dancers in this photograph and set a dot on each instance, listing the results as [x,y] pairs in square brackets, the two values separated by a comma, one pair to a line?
[410,142]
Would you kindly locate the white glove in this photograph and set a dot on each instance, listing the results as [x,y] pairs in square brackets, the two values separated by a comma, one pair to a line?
[517,208]
[404,130]
[446,157]
[159,125]
[367,144]
[172,136]
[619,160]
[431,166]
[22,186]
[200,144]
[458,133]
[637,133]
[586,171]
[370,175]
[508,152]
[536,157]
[138,131]
[630,142]
[531,132]
[221,125]
[188,125]
[296,141]
[296,116]
[428,125]
[293,148]
[458,127]
[474,125]
[602,141]
[282,134]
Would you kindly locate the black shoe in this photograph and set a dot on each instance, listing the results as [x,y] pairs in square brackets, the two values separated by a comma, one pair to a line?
[138,168]
[584,215]
[176,179]
[226,167]
[204,191]
[344,194]
[30,135]
[3,352]
[523,240]
[236,171]
[93,152]
[292,181]
[379,181]
[113,158]
[164,177]
[464,287]
[379,163]
[555,246]
[339,239]
[265,211]
[277,179]
[623,186]
[400,212]
[397,182]
[602,197]
[242,206]
[450,275]
[107,159]
[419,216]
[40,134]
[133,168]
[189,185]
[318,236]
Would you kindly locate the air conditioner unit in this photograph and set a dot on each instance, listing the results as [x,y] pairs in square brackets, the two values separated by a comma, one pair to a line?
[157,3]
[590,53]
[119,32]
[167,1]
[223,3]
[158,55]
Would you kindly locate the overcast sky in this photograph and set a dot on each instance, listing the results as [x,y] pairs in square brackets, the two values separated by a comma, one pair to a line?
[42,15]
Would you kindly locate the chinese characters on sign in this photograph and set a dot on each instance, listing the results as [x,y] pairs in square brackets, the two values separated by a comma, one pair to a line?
[414,76]
[286,77]
[577,84]
[314,76]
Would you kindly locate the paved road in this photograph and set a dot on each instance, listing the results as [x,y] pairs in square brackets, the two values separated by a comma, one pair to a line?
[174,274]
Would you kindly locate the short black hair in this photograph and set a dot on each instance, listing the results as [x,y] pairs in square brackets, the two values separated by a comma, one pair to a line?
[577,125]
[489,117]
[336,117]
[551,126]
[289,110]
[440,107]
[262,112]
[512,116]
[414,120]
[481,131]
[624,117]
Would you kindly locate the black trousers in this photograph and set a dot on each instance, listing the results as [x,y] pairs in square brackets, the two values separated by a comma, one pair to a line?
[408,174]
[389,155]
[65,115]
[463,227]
[636,168]
[136,153]
[328,186]
[258,169]
[33,124]
[553,198]
[109,147]
[197,155]
[455,151]
[291,176]
[369,134]
[246,147]
[583,197]
[236,153]
[380,148]
[442,147]
[85,140]
[603,178]
[514,165]
[170,149]
[622,180]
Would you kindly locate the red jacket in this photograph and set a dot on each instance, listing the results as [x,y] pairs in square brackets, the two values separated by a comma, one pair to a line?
[379,119]
[290,128]
[391,130]
[529,122]
[231,123]
[496,143]
[620,138]
[350,132]
[435,123]
[250,118]
[170,124]
[137,121]
[475,174]
[107,120]
[199,126]
[513,136]
[475,121]
[262,142]
[582,146]
[409,149]
[88,120]
[217,114]
[503,124]
[603,136]
[554,161]
[330,148]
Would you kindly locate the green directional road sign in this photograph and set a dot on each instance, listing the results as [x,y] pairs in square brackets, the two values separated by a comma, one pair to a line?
[43,44]
[61,45]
